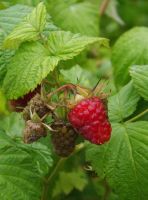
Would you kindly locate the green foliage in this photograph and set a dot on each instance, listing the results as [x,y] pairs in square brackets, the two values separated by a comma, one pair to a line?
[13,125]
[3,107]
[12,16]
[70,180]
[18,171]
[29,69]
[139,75]
[30,66]
[56,54]
[123,161]
[74,16]
[66,45]
[5,57]
[123,104]
[29,29]
[130,49]
[82,76]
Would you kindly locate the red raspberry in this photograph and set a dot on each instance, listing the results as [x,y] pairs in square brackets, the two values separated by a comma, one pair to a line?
[90,118]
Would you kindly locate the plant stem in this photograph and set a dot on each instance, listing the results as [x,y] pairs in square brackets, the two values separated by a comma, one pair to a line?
[47,181]
[63,87]
[138,116]
[103,7]
[56,169]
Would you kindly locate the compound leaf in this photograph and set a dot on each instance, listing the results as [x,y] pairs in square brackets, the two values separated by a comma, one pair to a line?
[123,104]
[12,16]
[130,49]
[19,177]
[29,29]
[32,61]
[27,69]
[77,17]
[124,160]
[66,45]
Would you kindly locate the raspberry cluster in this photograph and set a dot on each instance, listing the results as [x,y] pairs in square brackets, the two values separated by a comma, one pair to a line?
[89,118]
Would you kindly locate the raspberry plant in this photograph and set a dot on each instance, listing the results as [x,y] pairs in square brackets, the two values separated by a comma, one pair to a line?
[73,109]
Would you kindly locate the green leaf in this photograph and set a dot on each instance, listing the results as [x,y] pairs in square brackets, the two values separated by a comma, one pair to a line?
[77,17]
[5,57]
[66,45]
[78,75]
[19,177]
[124,160]
[139,75]
[12,16]
[29,29]
[68,181]
[130,49]
[123,104]
[41,155]
[3,107]
[28,67]
[32,61]
[13,125]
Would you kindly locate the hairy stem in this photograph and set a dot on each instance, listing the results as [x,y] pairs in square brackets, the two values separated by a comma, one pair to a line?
[138,116]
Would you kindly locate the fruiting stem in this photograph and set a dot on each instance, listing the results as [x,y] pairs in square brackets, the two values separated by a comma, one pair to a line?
[138,116]
[78,148]
[63,87]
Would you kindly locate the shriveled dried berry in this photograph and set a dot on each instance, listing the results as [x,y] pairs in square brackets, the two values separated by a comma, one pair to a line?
[33,131]
[36,104]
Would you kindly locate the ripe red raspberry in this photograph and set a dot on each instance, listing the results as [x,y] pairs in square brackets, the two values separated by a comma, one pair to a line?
[90,119]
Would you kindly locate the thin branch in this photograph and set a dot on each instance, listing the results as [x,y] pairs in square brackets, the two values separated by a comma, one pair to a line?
[103,7]
[138,116]
[47,181]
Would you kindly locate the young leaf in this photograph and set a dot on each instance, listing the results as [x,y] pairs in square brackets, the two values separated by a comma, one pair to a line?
[32,61]
[123,104]
[27,69]
[66,45]
[19,177]
[12,16]
[29,29]
[78,75]
[68,181]
[124,160]
[77,17]
[131,48]
[139,75]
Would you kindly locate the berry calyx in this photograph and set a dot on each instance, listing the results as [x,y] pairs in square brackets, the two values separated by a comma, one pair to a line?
[89,118]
